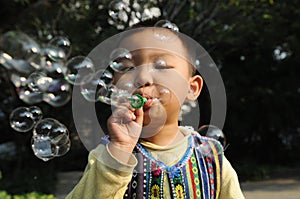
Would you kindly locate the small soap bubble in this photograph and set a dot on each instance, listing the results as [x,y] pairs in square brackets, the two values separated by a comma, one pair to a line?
[18,80]
[5,60]
[21,119]
[213,132]
[28,96]
[165,30]
[105,76]
[19,45]
[118,10]
[197,63]
[93,87]
[18,65]
[59,48]
[62,149]
[118,97]
[42,148]
[122,60]
[41,81]
[36,112]
[55,70]
[38,81]
[163,95]
[204,148]
[58,98]
[77,68]
[104,95]
[160,62]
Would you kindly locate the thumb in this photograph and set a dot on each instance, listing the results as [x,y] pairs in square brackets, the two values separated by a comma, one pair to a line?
[139,113]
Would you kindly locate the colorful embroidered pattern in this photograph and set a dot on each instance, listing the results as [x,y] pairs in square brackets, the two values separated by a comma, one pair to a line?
[195,175]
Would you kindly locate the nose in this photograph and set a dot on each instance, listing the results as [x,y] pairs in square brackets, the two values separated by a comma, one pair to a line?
[143,76]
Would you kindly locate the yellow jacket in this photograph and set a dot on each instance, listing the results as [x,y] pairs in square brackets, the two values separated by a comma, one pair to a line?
[106,178]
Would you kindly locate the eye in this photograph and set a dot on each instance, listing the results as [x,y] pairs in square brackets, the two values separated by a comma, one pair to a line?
[160,64]
[160,67]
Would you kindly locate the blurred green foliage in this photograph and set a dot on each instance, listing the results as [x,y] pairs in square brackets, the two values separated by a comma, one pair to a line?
[32,195]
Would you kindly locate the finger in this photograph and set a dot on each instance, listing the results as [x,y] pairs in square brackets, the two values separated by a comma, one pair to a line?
[139,114]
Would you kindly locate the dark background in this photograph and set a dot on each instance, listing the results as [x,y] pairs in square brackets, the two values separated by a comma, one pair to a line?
[255,45]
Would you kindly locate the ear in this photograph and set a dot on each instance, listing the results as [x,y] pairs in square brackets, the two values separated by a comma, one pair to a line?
[196,83]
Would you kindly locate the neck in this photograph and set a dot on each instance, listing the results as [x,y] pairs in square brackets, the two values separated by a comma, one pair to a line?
[168,134]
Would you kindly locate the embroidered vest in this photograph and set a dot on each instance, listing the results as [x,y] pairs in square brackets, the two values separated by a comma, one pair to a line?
[196,175]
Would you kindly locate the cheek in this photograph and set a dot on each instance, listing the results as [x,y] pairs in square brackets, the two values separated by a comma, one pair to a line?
[177,84]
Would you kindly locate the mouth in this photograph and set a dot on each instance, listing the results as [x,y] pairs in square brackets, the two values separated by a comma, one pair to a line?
[150,100]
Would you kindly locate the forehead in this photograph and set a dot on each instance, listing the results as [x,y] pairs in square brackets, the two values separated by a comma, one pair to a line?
[146,39]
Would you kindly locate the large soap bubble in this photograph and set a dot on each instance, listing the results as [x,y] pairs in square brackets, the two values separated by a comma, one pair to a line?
[213,132]
[77,68]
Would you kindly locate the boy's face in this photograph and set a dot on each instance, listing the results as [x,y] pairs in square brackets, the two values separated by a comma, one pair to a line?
[157,71]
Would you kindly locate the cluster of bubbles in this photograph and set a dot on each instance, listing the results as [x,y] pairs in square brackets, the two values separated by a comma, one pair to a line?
[37,70]
[50,138]
[124,12]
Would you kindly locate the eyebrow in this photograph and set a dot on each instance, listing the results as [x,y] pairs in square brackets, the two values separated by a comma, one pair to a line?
[156,54]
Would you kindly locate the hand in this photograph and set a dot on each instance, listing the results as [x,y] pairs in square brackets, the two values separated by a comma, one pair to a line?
[124,126]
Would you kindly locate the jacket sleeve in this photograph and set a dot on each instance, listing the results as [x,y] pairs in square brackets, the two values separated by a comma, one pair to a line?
[104,176]
[230,188]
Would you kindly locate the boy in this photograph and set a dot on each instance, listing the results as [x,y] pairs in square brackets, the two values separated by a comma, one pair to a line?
[148,155]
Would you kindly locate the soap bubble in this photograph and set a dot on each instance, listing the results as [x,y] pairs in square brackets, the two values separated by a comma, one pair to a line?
[19,45]
[164,96]
[162,30]
[77,68]
[36,112]
[118,96]
[93,86]
[18,65]
[55,70]
[62,149]
[18,80]
[28,96]
[5,60]
[213,132]
[122,60]
[118,10]
[21,119]
[60,96]
[39,81]
[104,95]
[204,148]
[58,48]
[105,76]
[42,149]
